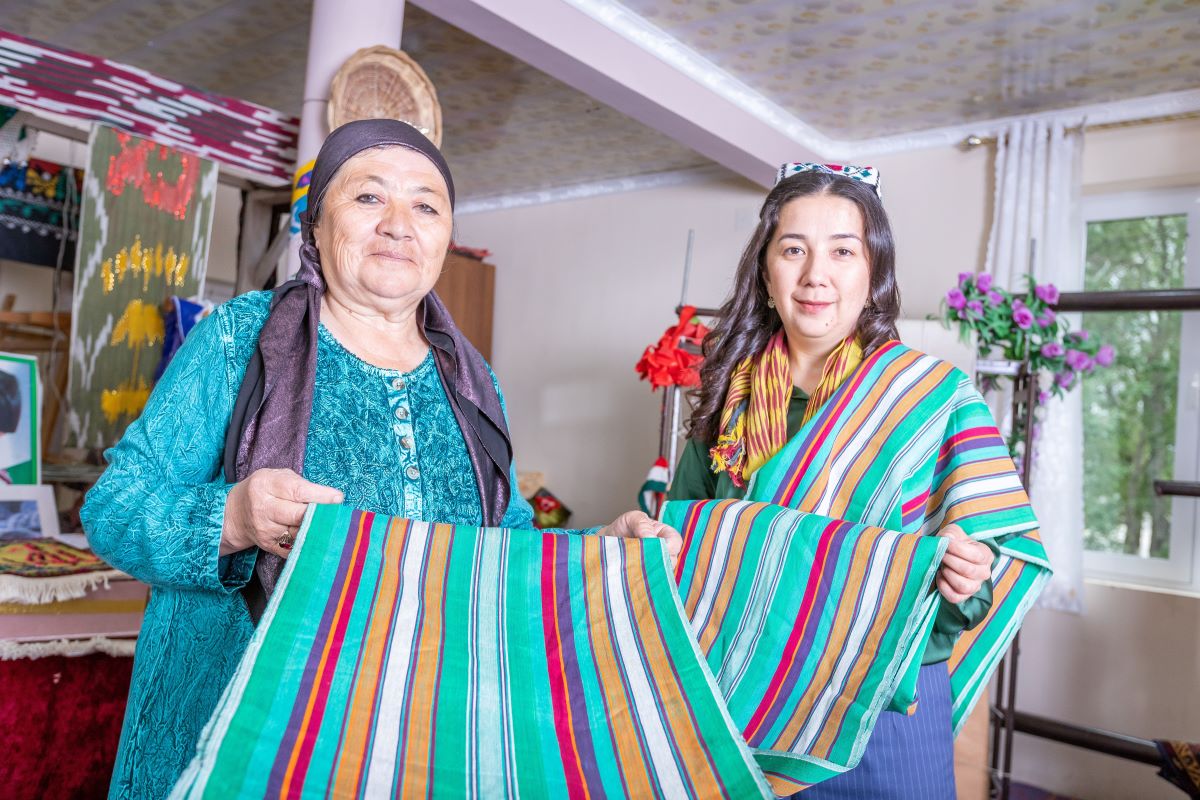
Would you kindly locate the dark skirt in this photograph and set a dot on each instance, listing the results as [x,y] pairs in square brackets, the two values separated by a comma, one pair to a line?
[906,758]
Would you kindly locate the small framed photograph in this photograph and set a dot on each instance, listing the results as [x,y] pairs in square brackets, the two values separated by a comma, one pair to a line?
[27,512]
[20,420]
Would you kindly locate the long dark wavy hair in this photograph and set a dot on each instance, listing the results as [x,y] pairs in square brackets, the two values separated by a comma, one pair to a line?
[746,323]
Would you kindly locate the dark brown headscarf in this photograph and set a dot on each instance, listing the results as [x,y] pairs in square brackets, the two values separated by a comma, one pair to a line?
[269,428]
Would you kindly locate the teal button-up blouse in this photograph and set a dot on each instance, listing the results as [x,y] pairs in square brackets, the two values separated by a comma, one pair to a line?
[387,439]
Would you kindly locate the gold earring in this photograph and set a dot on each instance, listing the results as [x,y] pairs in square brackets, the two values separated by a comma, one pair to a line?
[770,302]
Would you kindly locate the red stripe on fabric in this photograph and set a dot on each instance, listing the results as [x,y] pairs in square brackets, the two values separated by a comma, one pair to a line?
[914,504]
[306,741]
[576,785]
[784,497]
[802,619]
[689,535]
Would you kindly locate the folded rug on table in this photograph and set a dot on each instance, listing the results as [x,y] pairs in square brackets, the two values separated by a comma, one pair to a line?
[48,570]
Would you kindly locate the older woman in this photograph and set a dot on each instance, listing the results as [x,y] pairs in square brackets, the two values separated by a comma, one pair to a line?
[351,384]
[814,297]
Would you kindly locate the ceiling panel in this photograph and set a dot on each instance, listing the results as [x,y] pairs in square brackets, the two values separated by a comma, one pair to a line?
[507,127]
[857,69]
[853,69]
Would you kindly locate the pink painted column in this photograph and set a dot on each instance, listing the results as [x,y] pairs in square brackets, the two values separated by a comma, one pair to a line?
[338,29]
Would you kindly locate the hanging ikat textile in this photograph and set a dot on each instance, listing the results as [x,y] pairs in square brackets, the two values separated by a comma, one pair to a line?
[144,235]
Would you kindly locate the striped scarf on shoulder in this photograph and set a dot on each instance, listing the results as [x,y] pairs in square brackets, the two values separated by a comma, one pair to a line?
[754,419]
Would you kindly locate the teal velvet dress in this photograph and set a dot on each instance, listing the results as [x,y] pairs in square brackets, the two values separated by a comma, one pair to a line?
[387,439]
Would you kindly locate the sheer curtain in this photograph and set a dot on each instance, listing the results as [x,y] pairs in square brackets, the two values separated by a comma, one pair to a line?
[1037,227]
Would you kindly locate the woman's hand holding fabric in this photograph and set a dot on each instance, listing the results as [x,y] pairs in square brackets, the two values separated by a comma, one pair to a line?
[265,510]
[639,525]
[965,566]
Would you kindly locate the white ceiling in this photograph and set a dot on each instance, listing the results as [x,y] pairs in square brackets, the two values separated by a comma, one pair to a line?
[847,69]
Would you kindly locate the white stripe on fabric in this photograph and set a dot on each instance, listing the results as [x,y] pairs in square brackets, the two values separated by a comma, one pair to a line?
[381,763]
[641,684]
[865,616]
[485,713]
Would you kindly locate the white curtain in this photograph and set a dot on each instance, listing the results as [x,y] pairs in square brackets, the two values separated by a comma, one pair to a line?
[1037,228]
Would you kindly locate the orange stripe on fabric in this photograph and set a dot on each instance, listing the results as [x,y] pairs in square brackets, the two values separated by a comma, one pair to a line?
[893,419]
[1000,591]
[636,770]
[843,617]
[323,664]
[352,755]
[696,766]
[704,557]
[893,588]
[729,576]
[864,403]
[417,764]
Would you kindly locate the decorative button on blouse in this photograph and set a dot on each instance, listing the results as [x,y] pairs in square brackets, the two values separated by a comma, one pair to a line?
[413,473]
[406,442]
[398,384]
[401,412]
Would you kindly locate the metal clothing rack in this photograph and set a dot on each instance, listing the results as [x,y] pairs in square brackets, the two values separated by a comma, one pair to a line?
[1005,718]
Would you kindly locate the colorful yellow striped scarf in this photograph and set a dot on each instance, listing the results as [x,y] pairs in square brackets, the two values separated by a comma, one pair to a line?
[754,420]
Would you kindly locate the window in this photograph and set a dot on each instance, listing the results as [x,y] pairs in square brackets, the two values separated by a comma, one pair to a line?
[1140,416]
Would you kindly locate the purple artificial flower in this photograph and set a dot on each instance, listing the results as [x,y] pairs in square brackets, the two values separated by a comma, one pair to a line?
[976,308]
[983,282]
[1079,360]
[1052,350]
[1018,303]
[964,278]
[1080,336]
[1023,317]
[1047,318]
[1105,355]
[995,298]
[1043,397]
[1047,293]
[1065,379]
[956,299]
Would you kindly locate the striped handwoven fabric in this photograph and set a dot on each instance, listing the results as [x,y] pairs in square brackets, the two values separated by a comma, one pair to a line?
[407,659]
[908,444]
[810,625]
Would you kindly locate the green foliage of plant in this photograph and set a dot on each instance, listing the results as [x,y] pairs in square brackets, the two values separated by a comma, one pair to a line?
[1129,410]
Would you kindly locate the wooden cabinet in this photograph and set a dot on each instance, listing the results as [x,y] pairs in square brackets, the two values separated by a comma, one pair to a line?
[467,287]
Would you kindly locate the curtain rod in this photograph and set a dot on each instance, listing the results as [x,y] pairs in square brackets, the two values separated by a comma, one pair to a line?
[973,141]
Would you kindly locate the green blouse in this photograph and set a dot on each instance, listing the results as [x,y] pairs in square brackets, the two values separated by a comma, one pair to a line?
[695,480]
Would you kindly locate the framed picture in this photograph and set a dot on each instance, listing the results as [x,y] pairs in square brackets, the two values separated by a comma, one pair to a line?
[27,512]
[20,420]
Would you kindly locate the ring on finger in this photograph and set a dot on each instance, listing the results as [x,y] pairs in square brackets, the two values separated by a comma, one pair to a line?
[286,540]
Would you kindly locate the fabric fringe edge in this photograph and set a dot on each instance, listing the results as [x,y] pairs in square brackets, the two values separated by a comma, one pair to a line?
[37,591]
[122,648]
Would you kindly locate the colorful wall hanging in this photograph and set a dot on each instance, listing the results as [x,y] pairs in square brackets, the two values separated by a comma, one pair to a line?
[39,77]
[144,235]
[39,203]
[20,420]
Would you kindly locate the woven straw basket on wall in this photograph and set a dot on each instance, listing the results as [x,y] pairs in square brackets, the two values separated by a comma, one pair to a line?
[384,83]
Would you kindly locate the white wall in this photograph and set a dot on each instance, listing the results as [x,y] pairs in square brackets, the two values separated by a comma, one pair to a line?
[583,286]
[1130,664]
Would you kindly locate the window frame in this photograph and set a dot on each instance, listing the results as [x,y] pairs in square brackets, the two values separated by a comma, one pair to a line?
[1180,571]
